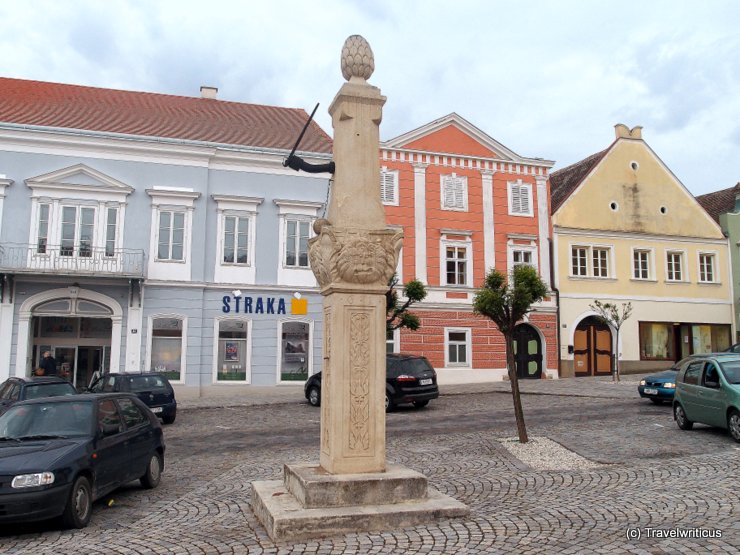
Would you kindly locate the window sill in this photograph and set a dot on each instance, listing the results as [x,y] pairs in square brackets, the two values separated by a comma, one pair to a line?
[165,261]
[676,282]
[592,278]
[709,283]
[452,209]
[644,280]
[522,215]
[297,268]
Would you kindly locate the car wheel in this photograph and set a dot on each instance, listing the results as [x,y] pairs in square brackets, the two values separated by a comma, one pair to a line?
[389,404]
[153,473]
[681,419]
[733,425]
[78,509]
[314,397]
[420,404]
[170,418]
[657,401]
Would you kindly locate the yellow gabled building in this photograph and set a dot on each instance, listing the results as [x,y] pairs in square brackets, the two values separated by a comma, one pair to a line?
[625,229]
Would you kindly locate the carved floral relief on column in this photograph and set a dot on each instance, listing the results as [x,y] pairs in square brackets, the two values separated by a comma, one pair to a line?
[362,257]
[359,387]
[326,407]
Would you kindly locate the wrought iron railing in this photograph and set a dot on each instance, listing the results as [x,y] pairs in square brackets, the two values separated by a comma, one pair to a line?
[69,260]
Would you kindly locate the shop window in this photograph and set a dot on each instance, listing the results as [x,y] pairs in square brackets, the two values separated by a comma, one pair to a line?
[294,351]
[167,347]
[232,351]
[656,341]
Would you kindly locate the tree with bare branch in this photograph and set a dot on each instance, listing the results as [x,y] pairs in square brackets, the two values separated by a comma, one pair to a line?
[609,314]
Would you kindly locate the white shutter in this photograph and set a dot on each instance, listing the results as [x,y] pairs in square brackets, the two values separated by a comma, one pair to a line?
[449,192]
[525,202]
[454,191]
[388,187]
[520,199]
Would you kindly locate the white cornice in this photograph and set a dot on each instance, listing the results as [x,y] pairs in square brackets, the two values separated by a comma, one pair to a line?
[562,231]
[54,180]
[284,203]
[236,198]
[642,298]
[3,184]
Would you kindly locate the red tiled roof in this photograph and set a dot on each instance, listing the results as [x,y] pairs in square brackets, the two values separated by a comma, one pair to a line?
[157,115]
[719,202]
[564,182]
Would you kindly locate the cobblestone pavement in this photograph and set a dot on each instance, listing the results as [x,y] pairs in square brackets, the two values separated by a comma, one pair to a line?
[655,480]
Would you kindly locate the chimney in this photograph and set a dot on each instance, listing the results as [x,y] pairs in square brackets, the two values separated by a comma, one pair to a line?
[208,92]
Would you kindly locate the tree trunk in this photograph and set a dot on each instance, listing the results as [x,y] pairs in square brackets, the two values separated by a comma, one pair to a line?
[616,358]
[511,367]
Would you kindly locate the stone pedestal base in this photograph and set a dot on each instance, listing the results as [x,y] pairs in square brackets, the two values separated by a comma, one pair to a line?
[311,503]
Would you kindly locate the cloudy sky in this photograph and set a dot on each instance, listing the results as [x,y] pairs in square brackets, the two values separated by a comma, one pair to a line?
[547,79]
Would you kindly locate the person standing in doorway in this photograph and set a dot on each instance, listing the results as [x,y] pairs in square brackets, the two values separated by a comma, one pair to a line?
[49,364]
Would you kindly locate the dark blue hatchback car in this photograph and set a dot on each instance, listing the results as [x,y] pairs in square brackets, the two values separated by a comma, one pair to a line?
[59,454]
[661,386]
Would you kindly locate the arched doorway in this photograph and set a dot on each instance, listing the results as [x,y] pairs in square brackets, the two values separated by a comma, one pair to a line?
[527,352]
[81,328]
[592,348]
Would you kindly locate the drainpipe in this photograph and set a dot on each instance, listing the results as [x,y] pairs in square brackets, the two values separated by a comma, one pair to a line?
[557,301]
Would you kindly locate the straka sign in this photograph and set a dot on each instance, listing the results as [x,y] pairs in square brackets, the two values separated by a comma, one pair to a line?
[263,305]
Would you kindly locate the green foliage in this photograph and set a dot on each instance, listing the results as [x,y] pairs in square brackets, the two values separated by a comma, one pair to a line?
[507,303]
[397,314]
[609,313]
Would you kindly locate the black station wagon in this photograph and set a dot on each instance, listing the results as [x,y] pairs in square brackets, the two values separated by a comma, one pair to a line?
[152,388]
[408,379]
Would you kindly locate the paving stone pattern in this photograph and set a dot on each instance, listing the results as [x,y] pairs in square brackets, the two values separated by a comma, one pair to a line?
[654,476]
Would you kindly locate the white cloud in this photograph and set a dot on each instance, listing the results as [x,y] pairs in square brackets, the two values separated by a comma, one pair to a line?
[547,79]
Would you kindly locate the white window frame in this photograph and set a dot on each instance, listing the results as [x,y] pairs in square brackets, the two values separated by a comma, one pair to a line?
[466,244]
[517,243]
[248,346]
[395,341]
[171,199]
[682,261]
[451,181]
[590,266]
[519,185]
[388,183]
[232,205]
[650,264]
[96,232]
[279,357]
[173,211]
[607,260]
[468,348]
[290,210]
[713,255]
[183,344]
[581,268]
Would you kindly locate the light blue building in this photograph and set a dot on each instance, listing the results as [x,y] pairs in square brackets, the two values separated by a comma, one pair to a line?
[146,232]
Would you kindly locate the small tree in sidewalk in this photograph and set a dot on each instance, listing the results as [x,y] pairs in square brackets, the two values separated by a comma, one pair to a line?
[397,310]
[609,314]
[506,302]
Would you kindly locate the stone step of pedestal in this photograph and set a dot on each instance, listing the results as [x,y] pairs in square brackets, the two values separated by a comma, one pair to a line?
[313,487]
[286,519]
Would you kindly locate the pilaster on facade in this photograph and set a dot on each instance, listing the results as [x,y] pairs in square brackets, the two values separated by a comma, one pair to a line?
[489,247]
[543,220]
[420,221]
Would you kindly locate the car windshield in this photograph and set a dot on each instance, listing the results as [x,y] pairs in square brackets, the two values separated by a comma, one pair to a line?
[36,391]
[145,383]
[41,420]
[732,371]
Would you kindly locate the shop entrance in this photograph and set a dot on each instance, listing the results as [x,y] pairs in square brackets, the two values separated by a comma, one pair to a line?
[80,346]
[592,348]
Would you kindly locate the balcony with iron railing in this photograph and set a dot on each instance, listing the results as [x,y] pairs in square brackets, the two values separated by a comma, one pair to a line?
[71,260]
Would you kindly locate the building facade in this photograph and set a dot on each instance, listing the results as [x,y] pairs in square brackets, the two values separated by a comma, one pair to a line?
[627,230]
[467,204]
[724,207]
[147,232]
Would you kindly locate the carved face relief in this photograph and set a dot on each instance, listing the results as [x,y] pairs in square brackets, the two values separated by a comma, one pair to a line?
[362,261]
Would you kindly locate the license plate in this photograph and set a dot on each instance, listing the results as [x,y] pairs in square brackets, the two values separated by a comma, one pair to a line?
[156,410]
[649,391]
[426,381]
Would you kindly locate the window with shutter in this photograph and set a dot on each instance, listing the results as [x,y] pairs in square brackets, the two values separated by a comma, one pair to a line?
[454,192]
[389,187]
[520,198]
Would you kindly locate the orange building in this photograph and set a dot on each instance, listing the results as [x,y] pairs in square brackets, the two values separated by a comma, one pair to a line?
[467,204]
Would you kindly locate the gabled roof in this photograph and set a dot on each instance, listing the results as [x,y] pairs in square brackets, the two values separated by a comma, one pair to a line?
[719,202]
[165,116]
[468,128]
[565,181]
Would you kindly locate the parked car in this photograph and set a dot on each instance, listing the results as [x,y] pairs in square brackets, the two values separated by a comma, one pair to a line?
[59,454]
[408,379]
[708,391]
[20,388]
[661,386]
[152,388]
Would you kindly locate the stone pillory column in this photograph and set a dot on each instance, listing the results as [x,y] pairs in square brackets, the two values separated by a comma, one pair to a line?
[353,256]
